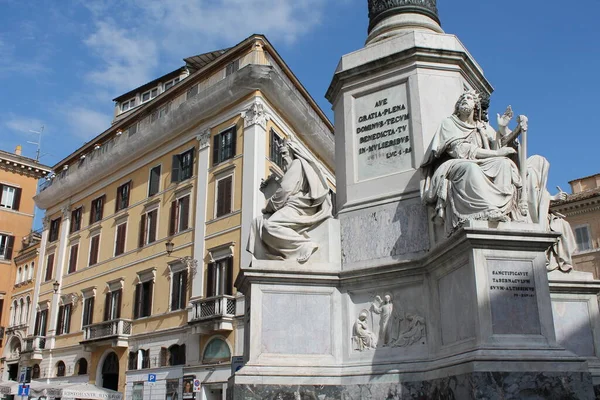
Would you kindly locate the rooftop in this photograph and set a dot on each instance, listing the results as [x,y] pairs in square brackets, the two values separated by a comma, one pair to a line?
[18,163]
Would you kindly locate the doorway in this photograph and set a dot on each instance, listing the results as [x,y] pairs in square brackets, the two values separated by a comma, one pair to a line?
[110,372]
[213,392]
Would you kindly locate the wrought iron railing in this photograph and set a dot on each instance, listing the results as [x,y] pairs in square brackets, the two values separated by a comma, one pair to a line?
[115,327]
[211,307]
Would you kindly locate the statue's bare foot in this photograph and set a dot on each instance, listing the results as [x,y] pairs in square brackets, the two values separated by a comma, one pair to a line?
[308,251]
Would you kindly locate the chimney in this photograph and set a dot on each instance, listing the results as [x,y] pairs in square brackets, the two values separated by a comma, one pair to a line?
[18,150]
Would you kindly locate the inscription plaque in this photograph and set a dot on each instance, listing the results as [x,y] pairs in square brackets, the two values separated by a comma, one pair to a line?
[383,138]
[513,297]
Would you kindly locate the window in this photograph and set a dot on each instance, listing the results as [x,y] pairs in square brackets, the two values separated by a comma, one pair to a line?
[6,246]
[179,290]
[97,209]
[76,219]
[582,236]
[177,354]
[143,299]
[154,181]
[88,311]
[179,215]
[81,367]
[132,130]
[232,67]
[192,92]
[148,226]
[224,145]
[25,276]
[112,305]
[60,368]
[220,278]
[25,314]
[19,275]
[10,197]
[138,391]
[94,249]
[49,267]
[170,83]
[183,166]
[127,105]
[224,197]
[164,110]
[216,351]
[63,323]
[35,372]
[123,196]
[41,321]
[54,230]
[172,389]
[73,258]
[132,360]
[275,154]
[139,359]
[149,95]
[120,239]
[31,270]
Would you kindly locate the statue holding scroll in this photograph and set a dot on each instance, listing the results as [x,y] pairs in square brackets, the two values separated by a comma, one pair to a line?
[301,202]
[468,172]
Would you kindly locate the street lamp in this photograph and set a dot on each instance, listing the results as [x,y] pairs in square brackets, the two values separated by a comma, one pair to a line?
[190,262]
[56,285]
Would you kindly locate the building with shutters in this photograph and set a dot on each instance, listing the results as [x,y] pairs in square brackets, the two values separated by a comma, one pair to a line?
[19,177]
[145,226]
[582,210]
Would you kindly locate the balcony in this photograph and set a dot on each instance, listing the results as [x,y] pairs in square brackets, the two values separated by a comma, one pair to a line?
[212,314]
[116,332]
[34,346]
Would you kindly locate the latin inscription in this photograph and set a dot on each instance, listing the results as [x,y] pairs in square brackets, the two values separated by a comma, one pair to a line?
[513,297]
[382,130]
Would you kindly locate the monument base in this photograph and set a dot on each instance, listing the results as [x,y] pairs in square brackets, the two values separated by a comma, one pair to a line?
[476,385]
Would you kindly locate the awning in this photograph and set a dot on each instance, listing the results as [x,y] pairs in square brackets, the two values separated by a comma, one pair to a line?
[9,387]
[88,391]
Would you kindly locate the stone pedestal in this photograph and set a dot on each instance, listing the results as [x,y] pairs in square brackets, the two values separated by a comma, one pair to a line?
[472,318]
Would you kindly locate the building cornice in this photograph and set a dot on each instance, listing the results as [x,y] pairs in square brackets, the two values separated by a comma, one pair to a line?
[22,165]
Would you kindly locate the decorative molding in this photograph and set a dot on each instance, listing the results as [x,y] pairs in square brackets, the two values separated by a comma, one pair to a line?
[147,275]
[256,114]
[381,9]
[204,139]
[66,212]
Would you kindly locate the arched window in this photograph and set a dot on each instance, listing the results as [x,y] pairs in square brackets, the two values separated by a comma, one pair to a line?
[23,312]
[27,307]
[25,273]
[216,351]
[15,311]
[35,372]
[82,367]
[19,272]
[177,354]
[31,270]
[60,368]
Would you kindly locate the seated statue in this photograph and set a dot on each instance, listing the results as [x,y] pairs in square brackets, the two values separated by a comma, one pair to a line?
[301,202]
[468,173]
[363,338]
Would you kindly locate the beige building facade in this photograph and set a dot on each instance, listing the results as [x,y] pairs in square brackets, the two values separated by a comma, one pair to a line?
[582,211]
[145,226]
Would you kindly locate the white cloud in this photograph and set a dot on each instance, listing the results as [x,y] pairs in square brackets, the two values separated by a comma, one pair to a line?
[86,123]
[22,124]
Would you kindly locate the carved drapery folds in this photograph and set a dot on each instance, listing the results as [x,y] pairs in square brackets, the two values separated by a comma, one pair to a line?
[380,9]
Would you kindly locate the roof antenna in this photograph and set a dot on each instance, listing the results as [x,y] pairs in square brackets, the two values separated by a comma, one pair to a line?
[38,143]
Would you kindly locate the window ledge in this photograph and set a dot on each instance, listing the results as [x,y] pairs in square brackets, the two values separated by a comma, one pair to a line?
[231,214]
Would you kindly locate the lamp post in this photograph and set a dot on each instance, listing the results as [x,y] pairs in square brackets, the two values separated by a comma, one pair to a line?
[190,262]
[55,286]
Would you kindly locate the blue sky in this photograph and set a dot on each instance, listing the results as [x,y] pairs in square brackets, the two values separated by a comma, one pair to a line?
[62,62]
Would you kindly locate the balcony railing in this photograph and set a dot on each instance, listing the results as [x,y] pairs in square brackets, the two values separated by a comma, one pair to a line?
[107,329]
[34,343]
[219,306]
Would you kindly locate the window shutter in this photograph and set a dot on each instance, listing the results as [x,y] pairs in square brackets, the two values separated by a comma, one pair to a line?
[163,356]
[91,311]
[175,291]
[184,209]
[227,196]
[127,194]
[119,295]
[172,217]
[101,201]
[216,149]
[59,325]
[67,327]
[44,323]
[107,304]
[94,250]
[119,197]
[183,294]
[229,277]
[210,280]
[16,199]
[148,299]
[182,354]
[49,267]
[10,243]
[175,168]
[152,226]
[138,301]
[92,211]
[36,329]
[142,237]
[73,258]
[233,141]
